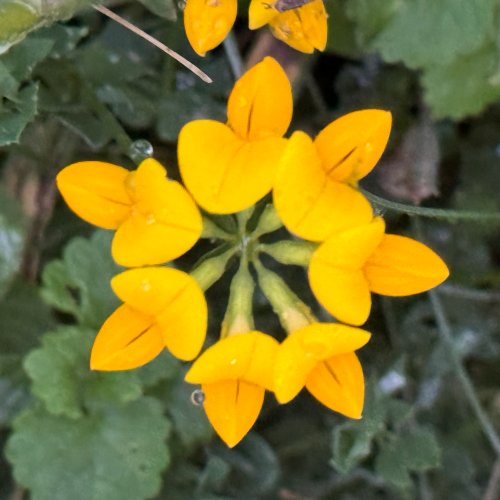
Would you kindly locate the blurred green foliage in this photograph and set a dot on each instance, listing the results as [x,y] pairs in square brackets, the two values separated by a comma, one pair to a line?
[77,90]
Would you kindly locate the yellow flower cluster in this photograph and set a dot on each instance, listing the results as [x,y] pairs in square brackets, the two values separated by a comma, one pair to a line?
[302,25]
[227,168]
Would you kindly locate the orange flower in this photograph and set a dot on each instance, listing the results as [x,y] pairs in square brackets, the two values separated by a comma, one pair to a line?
[315,191]
[207,22]
[351,264]
[155,218]
[163,308]
[234,374]
[228,168]
[304,28]
[321,357]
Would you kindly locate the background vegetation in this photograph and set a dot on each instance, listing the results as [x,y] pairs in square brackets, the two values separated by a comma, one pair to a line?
[78,89]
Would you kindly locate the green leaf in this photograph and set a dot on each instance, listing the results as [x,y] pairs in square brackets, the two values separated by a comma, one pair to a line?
[390,466]
[162,8]
[179,108]
[341,31]
[116,454]
[464,87]
[369,17]
[16,19]
[352,441]
[22,59]
[62,378]
[424,33]
[12,234]
[413,451]
[83,261]
[16,113]
[23,319]
[14,392]
[420,450]
[190,421]
[255,466]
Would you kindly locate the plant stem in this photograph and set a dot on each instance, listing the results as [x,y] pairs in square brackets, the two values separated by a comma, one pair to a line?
[469,390]
[233,55]
[435,213]
[189,65]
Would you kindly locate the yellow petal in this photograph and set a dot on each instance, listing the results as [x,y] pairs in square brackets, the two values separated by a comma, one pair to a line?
[248,356]
[207,22]
[304,28]
[127,339]
[299,354]
[401,266]
[338,383]
[143,241]
[336,272]
[310,204]
[260,13]
[96,192]
[232,406]
[174,299]
[351,146]
[223,173]
[164,224]
[260,104]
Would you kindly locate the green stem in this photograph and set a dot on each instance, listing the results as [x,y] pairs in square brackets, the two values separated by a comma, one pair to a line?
[239,313]
[291,311]
[210,270]
[212,230]
[435,213]
[233,55]
[288,252]
[469,390]
[446,335]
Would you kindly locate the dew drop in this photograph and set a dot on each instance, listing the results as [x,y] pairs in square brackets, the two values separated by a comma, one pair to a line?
[233,362]
[197,397]
[146,285]
[150,219]
[140,150]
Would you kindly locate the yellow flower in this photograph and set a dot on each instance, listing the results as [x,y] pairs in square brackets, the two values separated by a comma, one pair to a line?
[207,22]
[351,264]
[163,308]
[321,357]
[315,191]
[228,168]
[155,218]
[234,374]
[304,28]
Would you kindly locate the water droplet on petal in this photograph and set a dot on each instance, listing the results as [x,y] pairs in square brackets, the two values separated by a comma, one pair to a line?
[146,285]
[140,150]
[150,219]
[233,362]
[197,397]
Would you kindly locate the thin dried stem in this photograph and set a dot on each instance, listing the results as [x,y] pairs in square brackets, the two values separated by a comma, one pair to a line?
[189,65]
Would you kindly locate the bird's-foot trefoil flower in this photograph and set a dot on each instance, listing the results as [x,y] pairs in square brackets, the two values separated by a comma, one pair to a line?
[234,374]
[317,356]
[207,22]
[351,264]
[315,190]
[155,219]
[303,27]
[229,167]
[321,358]
[162,308]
